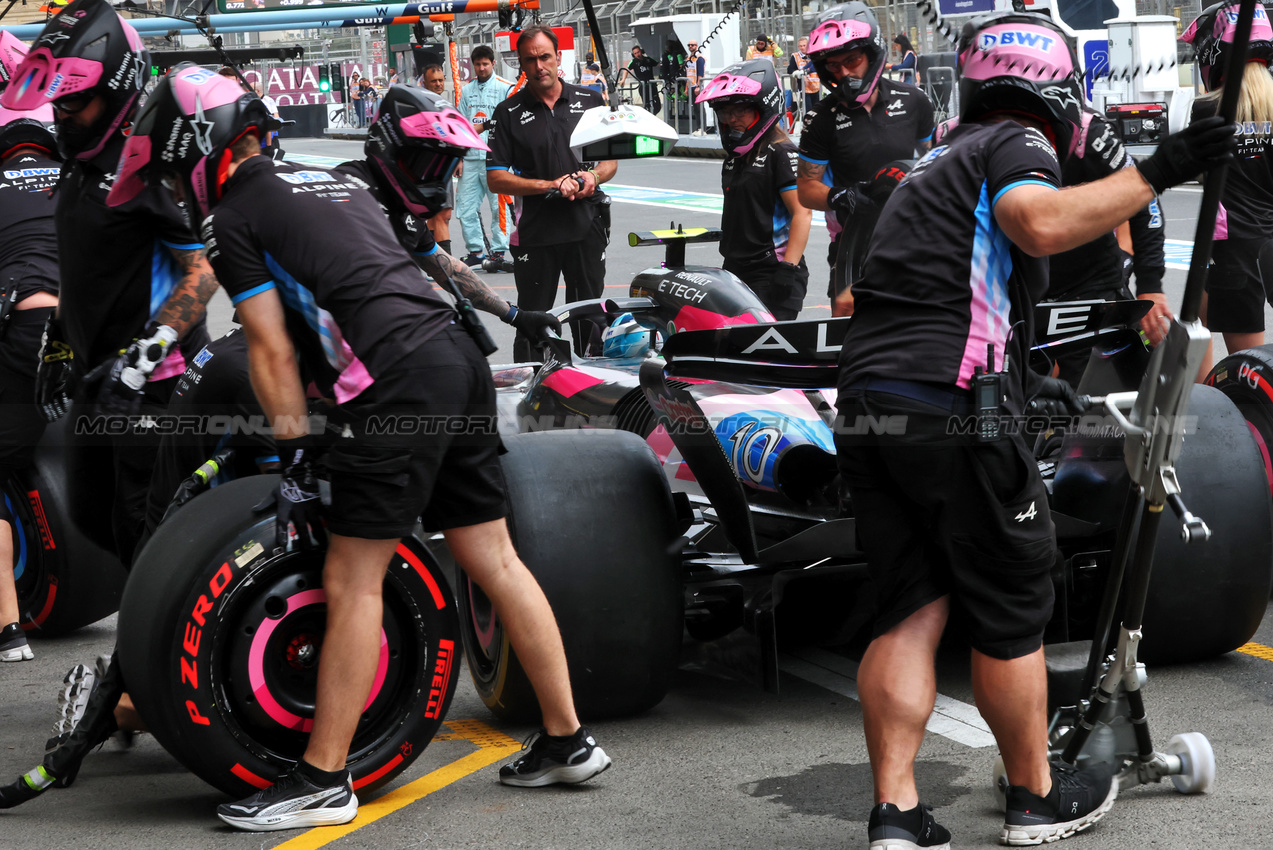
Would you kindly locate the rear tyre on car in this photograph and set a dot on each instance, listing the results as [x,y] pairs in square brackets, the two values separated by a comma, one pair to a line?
[64,580]
[592,518]
[220,637]
[1246,378]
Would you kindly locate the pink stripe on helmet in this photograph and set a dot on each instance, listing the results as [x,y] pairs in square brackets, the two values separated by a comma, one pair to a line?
[12,52]
[129,182]
[1024,50]
[728,85]
[41,79]
[199,89]
[115,124]
[831,36]
[448,127]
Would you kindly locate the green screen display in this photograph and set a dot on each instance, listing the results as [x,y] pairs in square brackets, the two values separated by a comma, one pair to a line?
[646,146]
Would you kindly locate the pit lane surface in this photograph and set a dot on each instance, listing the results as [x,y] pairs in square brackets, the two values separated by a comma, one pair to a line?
[719,764]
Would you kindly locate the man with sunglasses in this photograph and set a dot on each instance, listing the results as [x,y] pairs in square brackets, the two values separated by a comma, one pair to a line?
[134,281]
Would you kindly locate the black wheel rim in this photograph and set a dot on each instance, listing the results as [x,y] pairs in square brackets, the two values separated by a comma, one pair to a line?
[483,633]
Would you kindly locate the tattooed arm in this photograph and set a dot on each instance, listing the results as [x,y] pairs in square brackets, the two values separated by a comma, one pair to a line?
[189,300]
[439,264]
[809,186]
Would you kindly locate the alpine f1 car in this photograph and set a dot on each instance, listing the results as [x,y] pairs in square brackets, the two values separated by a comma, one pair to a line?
[736,411]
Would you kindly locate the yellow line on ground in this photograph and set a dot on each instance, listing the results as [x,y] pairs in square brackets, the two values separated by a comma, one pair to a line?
[493,746]
[1259,650]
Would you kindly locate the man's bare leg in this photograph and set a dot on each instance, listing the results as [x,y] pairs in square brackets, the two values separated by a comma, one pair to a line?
[8,591]
[897,683]
[1013,698]
[353,579]
[486,554]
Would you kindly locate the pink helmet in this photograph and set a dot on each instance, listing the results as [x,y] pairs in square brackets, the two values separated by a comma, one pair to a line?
[414,144]
[12,52]
[753,83]
[1021,63]
[849,26]
[85,50]
[186,129]
[1211,35]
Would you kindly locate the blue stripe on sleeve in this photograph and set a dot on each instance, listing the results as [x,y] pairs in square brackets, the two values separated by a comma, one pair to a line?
[999,194]
[256,290]
[193,246]
[814,161]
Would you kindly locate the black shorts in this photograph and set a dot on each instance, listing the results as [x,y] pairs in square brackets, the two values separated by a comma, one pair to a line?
[941,515]
[21,424]
[424,445]
[1235,290]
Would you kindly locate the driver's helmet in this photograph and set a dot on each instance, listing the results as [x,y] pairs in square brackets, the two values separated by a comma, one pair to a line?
[186,130]
[1021,63]
[414,144]
[753,83]
[1211,35]
[85,50]
[625,338]
[849,26]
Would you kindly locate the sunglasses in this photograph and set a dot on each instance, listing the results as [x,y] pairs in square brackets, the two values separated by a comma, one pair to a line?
[72,104]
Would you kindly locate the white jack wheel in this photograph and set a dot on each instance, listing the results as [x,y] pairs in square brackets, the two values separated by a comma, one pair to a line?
[999,784]
[1199,759]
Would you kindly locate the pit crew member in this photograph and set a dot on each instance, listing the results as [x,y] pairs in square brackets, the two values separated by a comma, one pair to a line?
[764,227]
[953,527]
[371,337]
[563,236]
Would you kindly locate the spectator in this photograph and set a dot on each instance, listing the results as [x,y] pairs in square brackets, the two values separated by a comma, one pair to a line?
[271,106]
[800,64]
[695,71]
[393,77]
[592,77]
[370,97]
[435,81]
[642,68]
[763,49]
[478,100]
[355,94]
[906,67]
[564,236]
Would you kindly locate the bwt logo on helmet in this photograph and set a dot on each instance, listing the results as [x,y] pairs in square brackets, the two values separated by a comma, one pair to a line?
[1031,39]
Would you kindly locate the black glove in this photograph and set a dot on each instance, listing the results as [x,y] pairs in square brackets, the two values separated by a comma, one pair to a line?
[1182,156]
[299,505]
[784,278]
[123,379]
[1054,397]
[199,481]
[54,373]
[532,323]
[848,200]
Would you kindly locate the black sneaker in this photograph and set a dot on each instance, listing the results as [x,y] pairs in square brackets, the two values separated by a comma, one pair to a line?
[13,644]
[293,802]
[890,828]
[497,262]
[473,259]
[548,760]
[1078,799]
[72,699]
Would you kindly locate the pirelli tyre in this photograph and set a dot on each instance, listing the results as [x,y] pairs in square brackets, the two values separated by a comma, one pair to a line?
[1247,379]
[592,517]
[219,640]
[64,580]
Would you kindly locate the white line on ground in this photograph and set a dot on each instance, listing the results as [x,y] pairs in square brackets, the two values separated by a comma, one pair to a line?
[951,718]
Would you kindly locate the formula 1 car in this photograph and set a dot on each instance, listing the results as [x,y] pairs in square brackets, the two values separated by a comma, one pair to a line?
[736,409]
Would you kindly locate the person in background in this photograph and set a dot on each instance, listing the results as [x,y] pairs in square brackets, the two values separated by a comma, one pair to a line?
[763,49]
[440,223]
[906,67]
[393,77]
[695,71]
[764,227]
[272,148]
[478,100]
[355,95]
[642,69]
[591,76]
[802,66]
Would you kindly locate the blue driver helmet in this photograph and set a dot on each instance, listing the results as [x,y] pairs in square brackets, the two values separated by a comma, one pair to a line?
[625,338]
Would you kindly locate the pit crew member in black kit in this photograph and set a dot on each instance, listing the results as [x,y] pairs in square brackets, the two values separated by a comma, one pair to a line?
[951,526]
[764,227]
[28,296]
[370,336]
[530,155]
[1097,270]
[1240,280]
[401,143]
[867,122]
[134,278]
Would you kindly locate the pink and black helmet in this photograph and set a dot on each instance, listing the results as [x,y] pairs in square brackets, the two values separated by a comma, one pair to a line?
[1021,63]
[186,130]
[414,144]
[849,26]
[85,50]
[753,83]
[1211,35]
[21,129]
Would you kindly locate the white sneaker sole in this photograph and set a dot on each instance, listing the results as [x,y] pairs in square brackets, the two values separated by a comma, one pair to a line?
[297,820]
[564,774]
[21,653]
[1025,836]
[900,844]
